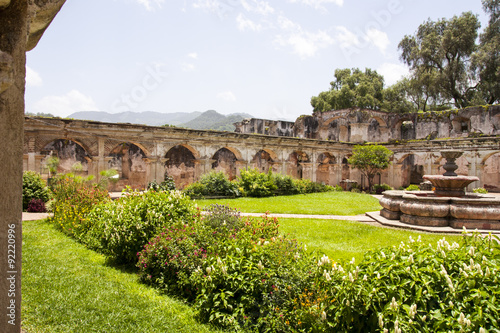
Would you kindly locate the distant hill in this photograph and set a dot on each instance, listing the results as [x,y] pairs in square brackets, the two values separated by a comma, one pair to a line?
[147,118]
[212,120]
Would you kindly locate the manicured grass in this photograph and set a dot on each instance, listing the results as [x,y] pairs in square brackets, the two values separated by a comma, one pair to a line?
[343,240]
[68,288]
[328,203]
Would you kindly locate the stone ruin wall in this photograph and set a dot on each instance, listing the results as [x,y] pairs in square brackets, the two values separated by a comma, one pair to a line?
[314,147]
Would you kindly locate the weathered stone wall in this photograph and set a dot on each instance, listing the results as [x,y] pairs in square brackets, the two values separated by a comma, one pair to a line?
[143,153]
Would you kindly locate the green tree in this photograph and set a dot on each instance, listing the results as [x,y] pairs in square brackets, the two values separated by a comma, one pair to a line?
[443,50]
[351,88]
[486,61]
[370,160]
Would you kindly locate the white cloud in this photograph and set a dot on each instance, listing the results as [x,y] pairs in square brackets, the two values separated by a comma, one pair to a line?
[149,4]
[33,79]
[207,4]
[247,24]
[392,72]
[187,67]
[261,7]
[193,55]
[227,96]
[318,4]
[286,24]
[345,37]
[306,44]
[65,105]
[378,38]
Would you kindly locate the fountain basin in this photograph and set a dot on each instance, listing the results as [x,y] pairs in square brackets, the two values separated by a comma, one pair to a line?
[450,186]
[427,209]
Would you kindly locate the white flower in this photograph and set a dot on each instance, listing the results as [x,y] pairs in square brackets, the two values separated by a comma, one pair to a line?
[394,304]
[351,278]
[224,270]
[260,266]
[413,310]
[378,275]
[471,251]
[410,259]
[353,260]
[482,330]
[365,278]
[209,270]
[382,254]
[424,318]
[487,272]
[219,261]
[461,319]
[323,315]
[380,320]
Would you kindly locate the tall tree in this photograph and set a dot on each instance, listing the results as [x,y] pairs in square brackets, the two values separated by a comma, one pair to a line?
[370,160]
[351,88]
[487,59]
[442,50]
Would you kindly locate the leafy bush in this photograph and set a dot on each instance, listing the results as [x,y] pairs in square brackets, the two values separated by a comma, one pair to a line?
[308,186]
[256,184]
[337,188]
[381,188]
[285,184]
[36,206]
[74,198]
[167,185]
[213,184]
[121,228]
[480,190]
[413,187]
[34,187]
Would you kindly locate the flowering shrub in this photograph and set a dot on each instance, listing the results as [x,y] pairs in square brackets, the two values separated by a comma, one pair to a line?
[74,198]
[121,228]
[36,206]
[415,288]
[34,187]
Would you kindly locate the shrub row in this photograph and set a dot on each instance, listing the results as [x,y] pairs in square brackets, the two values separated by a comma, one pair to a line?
[252,183]
[35,192]
[242,273]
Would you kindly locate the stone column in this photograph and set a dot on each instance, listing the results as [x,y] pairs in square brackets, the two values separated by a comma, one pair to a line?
[240,165]
[13,32]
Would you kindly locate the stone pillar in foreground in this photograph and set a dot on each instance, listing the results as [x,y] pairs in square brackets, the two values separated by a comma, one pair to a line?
[22,23]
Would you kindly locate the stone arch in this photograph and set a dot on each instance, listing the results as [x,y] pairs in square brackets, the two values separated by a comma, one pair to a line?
[491,172]
[346,169]
[70,152]
[412,169]
[225,160]
[295,164]
[180,164]
[326,162]
[264,160]
[335,129]
[129,159]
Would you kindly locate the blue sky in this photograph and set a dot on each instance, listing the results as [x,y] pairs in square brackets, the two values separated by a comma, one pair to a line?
[259,57]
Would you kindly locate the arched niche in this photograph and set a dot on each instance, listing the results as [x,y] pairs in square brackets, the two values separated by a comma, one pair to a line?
[130,161]
[72,156]
[325,165]
[346,169]
[180,165]
[412,170]
[225,161]
[264,160]
[295,164]
[491,172]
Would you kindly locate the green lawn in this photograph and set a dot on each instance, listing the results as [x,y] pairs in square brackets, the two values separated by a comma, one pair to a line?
[328,203]
[343,240]
[68,288]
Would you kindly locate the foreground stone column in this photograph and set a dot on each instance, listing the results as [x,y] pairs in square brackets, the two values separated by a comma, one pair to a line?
[13,32]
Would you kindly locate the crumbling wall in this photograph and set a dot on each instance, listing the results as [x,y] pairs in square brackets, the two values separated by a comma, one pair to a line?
[180,165]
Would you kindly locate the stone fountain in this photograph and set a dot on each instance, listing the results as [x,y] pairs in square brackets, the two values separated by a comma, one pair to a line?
[447,205]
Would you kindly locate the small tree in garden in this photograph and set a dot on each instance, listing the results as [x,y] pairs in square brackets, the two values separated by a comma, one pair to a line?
[370,160]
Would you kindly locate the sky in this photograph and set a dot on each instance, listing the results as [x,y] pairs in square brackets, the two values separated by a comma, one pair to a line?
[263,58]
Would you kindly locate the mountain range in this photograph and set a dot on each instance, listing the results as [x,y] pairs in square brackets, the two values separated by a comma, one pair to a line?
[208,120]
